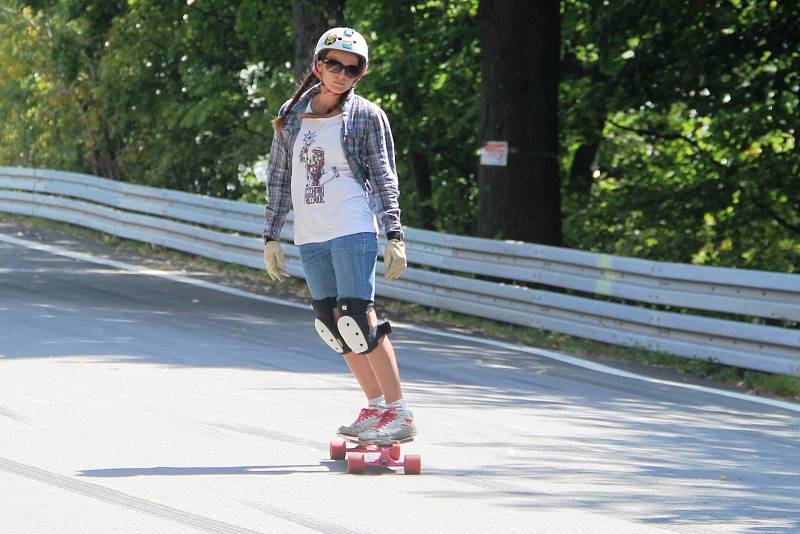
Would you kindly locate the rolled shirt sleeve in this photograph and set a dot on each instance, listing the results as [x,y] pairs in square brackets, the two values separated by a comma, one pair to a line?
[279,185]
[382,171]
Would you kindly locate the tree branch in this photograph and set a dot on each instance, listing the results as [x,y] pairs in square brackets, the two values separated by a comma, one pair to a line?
[777,217]
[671,136]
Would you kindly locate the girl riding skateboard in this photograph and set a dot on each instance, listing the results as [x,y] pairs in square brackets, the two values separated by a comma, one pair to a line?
[332,161]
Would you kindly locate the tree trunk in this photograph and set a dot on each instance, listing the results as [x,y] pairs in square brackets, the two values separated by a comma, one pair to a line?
[519,105]
[310,19]
[583,162]
[580,174]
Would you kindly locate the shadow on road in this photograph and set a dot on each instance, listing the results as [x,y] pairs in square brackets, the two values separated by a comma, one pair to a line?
[583,438]
[164,471]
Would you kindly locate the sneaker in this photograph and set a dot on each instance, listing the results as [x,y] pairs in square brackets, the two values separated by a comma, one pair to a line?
[396,424]
[367,418]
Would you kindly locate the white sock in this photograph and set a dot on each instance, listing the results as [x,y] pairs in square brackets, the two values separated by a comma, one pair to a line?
[399,403]
[377,402]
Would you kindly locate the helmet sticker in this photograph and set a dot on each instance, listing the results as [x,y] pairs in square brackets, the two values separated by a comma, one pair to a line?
[346,39]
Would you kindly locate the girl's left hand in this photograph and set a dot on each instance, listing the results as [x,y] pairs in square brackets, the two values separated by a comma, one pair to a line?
[394,259]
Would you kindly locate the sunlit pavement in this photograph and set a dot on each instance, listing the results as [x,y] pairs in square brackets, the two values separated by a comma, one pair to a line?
[134,403]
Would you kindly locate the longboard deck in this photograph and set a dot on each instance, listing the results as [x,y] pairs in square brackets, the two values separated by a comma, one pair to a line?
[352,439]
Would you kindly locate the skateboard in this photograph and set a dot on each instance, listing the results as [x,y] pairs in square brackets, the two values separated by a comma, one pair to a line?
[388,455]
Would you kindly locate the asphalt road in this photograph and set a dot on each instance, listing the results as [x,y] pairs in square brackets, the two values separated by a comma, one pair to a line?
[131,402]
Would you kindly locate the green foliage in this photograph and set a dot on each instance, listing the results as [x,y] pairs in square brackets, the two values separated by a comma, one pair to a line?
[693,106]
[698,161]
[38,119]
[170,94]
[425,73]
[191,90]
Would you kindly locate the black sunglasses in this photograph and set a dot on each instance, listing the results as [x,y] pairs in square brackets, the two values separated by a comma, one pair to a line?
[351,71]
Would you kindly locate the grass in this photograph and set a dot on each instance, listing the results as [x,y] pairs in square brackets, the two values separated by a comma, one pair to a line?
[642,361]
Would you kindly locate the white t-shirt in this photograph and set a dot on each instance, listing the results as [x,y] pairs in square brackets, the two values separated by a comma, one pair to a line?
[327,198]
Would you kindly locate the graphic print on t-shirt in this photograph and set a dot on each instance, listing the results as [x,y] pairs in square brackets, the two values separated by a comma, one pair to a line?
[314,160]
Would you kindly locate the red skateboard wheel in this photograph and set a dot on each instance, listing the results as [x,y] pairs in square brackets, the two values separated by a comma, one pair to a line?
[355,463]
[338,449]
[395,453]
[412,464]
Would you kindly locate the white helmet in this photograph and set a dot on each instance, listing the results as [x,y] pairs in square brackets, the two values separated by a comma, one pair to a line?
[345,39]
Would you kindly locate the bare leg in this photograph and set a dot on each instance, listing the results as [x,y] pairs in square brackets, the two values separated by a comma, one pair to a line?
[361,369]
[376,372]
[383,361]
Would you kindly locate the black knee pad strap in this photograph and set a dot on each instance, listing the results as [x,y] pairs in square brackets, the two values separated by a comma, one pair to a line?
[355,328]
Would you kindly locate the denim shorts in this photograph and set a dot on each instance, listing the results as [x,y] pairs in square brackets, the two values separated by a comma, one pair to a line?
[343,267]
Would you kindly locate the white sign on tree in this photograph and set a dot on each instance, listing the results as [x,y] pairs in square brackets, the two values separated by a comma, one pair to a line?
[494,153]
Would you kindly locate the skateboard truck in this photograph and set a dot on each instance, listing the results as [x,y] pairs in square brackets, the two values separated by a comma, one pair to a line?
[388,456]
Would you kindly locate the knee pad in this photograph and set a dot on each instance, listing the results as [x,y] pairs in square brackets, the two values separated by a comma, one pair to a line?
[354,326]
[325,324]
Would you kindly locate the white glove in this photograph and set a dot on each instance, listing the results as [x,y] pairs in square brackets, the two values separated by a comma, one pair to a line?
[274,261]
[394,259]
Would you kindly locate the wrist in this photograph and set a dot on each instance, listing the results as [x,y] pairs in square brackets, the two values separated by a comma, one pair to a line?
[394,234]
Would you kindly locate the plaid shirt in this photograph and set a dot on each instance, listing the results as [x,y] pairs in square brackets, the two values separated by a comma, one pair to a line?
[368,147]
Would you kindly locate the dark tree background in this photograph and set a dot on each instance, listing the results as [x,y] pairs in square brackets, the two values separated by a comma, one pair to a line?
[309,19]
[660,130]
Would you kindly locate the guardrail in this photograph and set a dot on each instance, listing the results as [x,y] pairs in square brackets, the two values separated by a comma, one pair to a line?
[444,267]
